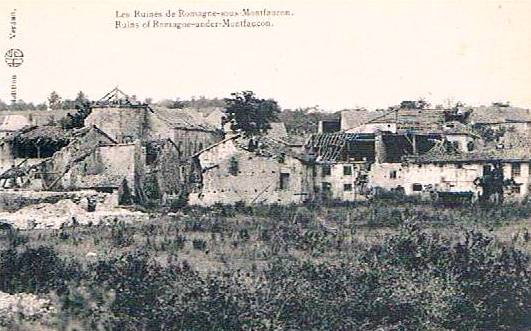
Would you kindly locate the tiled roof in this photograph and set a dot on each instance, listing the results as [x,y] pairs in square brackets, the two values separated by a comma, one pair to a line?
[495,114]
[183,118]
[406,119]
[516,148]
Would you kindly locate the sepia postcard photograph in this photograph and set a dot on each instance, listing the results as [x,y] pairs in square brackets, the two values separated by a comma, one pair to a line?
[265,165]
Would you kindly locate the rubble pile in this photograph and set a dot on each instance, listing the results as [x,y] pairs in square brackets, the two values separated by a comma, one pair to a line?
[24,305]
[12,200]
[66,212]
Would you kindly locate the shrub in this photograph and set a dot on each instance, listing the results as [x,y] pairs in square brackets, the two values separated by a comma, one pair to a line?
[199,244]
[34,270]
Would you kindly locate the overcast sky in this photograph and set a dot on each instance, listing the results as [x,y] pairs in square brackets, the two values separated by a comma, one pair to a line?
[335,55]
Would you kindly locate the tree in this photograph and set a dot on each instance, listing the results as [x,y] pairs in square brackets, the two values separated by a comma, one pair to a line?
[54,101]
[249,114]
[419,104]
[304,121]
[3,106]
[81,100]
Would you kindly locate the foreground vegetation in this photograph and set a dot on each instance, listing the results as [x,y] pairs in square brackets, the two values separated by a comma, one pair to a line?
[384,266]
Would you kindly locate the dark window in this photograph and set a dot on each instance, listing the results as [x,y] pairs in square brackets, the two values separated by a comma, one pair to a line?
[392,174]
[326,187]
[455,145]
[417,187]
[326,171]
[515,170]
[234,167]
[347,187]
[347,170]
[470,146]
[151,157]
[284,181]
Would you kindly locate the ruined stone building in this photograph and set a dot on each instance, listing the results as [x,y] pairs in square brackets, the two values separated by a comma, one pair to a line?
[24,150]
[421,152]
[127,121]
[432,153]
[148,154]
[125,148]
[94,160]
[259,170]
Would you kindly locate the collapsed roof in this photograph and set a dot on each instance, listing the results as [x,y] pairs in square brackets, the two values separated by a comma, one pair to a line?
[38,141]
[332,147]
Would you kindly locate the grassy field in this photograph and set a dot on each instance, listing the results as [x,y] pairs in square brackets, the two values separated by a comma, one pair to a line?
[379,266]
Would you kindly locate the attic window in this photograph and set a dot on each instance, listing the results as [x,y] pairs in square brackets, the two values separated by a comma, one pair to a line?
[392,174]
[417,187]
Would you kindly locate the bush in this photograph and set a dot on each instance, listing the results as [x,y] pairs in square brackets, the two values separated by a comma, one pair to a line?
[411,280]
[33,270]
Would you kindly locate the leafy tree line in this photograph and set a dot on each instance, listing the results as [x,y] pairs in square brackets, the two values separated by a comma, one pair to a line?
[54,102]
[22,105]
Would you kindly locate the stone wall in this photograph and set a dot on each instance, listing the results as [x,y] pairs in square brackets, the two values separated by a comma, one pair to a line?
[123,124]
[521,176]
[418,178]
[12,200]
[340,180]
[231,174]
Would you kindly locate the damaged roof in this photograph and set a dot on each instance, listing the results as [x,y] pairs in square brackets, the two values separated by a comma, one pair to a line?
[46,134]
[329,146]
[79,133]
[262,146]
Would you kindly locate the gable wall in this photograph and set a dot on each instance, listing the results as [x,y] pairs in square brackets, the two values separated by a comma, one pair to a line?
[257,179]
